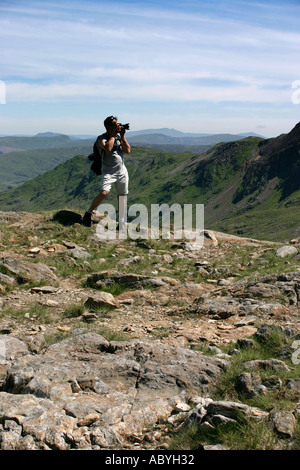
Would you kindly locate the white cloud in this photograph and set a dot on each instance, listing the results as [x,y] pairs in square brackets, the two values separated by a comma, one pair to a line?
[136,53]
[49,47]
[146,92]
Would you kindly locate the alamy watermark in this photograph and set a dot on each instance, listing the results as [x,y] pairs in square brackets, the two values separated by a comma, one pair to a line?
[2,351]
[2,92]
[187,222]
[296,93]
[296,353]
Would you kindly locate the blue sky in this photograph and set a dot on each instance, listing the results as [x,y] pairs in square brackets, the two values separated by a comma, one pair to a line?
[196,66]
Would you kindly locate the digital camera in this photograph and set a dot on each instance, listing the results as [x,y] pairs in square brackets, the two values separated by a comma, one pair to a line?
[125,126]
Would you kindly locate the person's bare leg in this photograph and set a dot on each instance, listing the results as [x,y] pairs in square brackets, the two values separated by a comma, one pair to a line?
[122,204]
[87,218]
[122,201]
[98,199]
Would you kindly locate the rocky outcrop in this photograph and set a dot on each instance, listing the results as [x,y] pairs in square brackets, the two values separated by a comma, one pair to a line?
[270,288]
[125,279]
[25,271]
[168,302]
[87,392]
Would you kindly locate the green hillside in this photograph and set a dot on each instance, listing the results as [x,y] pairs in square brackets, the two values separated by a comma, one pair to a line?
[249,187]
[72,184]
[18,167]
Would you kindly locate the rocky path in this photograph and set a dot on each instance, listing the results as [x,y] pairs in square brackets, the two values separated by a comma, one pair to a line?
[85,368]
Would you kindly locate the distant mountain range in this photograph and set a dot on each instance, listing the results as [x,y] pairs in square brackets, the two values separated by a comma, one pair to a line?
[153,138]
[176,133]
[24,157]
[46,140]
[250,186]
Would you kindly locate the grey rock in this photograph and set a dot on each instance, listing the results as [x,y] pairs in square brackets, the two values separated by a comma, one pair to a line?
[126,384]
[265,331]
[293,384]
[127,279]
[213,413]
[246,321]
[100,299]
[79,253]
[177,418]
[193,246]
[223,308]
[7,279]
[266,364]
[245,343]
[232,409]
[268,288]
[264,290]
[11,348]
[272,383]
[45,289]
[233,351]
[283,422]
[286,250]
[214,447]
[37,418]
[297,411]
[28,272]
[219,420]
[250,385]
[205,427]
[197,414]
[224,282]
[36,343]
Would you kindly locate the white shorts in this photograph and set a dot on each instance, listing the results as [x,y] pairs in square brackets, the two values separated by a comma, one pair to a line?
[120,182]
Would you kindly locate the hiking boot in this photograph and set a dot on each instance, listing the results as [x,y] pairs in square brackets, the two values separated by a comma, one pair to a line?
[87,219]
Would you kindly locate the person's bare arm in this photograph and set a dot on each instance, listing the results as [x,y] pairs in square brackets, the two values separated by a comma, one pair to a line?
[125,145]
[106,144]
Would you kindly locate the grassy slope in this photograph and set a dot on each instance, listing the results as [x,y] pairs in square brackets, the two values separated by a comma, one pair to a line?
[19,167]
[72,184]
[213,179]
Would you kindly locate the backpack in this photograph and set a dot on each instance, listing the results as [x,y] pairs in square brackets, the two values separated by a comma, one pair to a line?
[96,158]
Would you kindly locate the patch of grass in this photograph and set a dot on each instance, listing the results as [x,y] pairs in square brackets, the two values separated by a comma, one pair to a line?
[115,288]
[160,333]
[54,338]
[274,342]
[39,312]
[111,335]
[269,347]
[244,434]
[74,310]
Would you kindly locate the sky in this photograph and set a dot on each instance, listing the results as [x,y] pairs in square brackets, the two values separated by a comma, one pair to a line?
[196,66]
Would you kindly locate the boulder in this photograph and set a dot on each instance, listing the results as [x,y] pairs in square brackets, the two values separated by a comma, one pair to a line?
[79,253]
[293,384]
[283,422]
[223,308]
[126,279]
[11,348]
[25,271]
[286,250]
[7,279]
[86,391]
[250,385]
[266,364]
[231,410]
[101,299]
